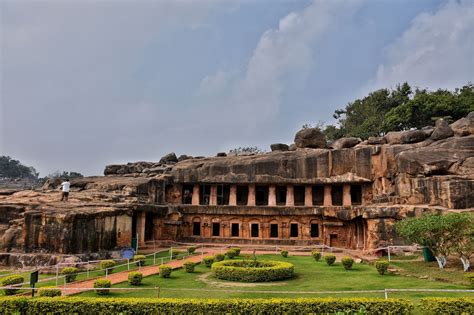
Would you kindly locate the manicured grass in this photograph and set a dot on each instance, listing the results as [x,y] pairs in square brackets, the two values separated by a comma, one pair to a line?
[310,276]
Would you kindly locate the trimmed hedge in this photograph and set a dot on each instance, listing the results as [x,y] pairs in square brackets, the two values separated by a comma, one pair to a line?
[381,266]
[284,253]
[70,274]
[470,277]
[237,250]
[140,260]
[189,266]
[102,283]
[49,291]
[165,271]
[347,262]
[191,250]
[316,255]
[135,278]
[11,281]
[108,265]
[78,305]
[253,271]
[231,253]
[447,306]
[208,261]
[219,257]
[330,259]
[175,253]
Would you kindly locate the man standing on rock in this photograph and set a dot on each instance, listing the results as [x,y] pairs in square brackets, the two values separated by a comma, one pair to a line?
[65,186]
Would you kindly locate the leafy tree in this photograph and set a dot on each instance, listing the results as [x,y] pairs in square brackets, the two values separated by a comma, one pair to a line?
[462,242]
[10,168]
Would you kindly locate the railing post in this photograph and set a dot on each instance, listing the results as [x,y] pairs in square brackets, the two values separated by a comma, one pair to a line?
[386,293]
[87,270]
[388,251]
[154,258]
[171,253]
[57,274]
[106,272]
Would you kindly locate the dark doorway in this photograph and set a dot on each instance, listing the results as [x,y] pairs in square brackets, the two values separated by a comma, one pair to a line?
[318,195]
[280,192]
[273,230]
[261,195]
[197,228]
[187,194]
[134,224]
[204,194]
[242,195]
[356,194]
[294,230]
[298,193]
[333,242]
[314,230]
[235,229]
[223,193]
[216,229]
[336,195]
[149,226]
[254,230]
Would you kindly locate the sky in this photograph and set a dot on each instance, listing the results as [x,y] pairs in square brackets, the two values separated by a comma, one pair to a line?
[86,83]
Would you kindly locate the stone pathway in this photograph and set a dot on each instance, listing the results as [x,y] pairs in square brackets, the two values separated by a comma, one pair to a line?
[123,275]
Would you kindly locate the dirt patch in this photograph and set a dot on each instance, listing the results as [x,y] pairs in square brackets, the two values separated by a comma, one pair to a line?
[205,277]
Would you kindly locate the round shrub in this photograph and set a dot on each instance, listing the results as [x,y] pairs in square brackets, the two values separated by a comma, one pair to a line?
[208,261]
[135,278]
[175,253]
[108,265]
[70,274]
[347,262]
[470,277]
[316,255]
[12,280]
[191,250]
[165,271]
[139,260]
[231,253]
[237,250]
[219,257]
[330,259]
[381,266]
[284,253]
[49,292]
[189,266]
[102,284]
[253,271]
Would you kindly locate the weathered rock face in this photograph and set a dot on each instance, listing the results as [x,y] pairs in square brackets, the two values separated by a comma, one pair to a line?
[376,140]
[279,147]
[442,130]
[344,143]
[169,158]
[310,138]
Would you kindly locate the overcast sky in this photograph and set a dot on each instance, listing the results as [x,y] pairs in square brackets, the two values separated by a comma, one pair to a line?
[89,83]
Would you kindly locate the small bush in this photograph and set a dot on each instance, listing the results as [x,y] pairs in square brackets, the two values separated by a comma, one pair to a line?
[165,271]
[219,257]
[231,253]
[140,260]
[13,280]
[175,253]
[135,278]
[330,259]
[102,283]
[347,262]
[381,266]
[284,253]
[49,292]
[316,255]
[237,250]
[470,277]
[108,265]
[189,266]
[191,250]
[208,261]
[70,274]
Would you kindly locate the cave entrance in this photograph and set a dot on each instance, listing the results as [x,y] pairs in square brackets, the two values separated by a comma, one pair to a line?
[318,195]
[204,194]
[280,195]
[299,193]
[274,230]
[356,194]
[149,226]
[235,229]
[336,193]
[223,193]
[187,194]
[242,195]
[261,195]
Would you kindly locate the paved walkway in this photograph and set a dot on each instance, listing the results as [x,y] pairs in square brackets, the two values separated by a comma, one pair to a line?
[123,275]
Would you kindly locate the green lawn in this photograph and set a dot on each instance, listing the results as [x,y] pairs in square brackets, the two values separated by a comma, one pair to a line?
[310,276]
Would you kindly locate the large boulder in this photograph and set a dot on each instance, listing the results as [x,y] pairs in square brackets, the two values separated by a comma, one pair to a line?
[376,140]
[348,142]
[310,138]
[413,136]
[184,157]
[169,158]
[279,147]
[464,126]
[442,130]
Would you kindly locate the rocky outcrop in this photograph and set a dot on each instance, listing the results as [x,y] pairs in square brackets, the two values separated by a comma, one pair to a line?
[310,138]
[279,147]
[345,143]
[169,158]
[376,140]
[464,126]
[442,130]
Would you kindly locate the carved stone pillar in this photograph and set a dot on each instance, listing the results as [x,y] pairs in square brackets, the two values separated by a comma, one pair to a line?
[327,196]
[272,195]
[308,196]
[195,199]
[346,195]
[251,197]
[290,196]
[141,217]
[233,195]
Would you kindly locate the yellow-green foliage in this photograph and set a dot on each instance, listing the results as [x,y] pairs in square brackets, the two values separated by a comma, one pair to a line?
[330,259]
[139,259]
[135,278]
[105,306]
[231,253]
[189,266]
[208,261]
[102,283]
[175,253]
[253,271]
[70,274]
[237,250]
[49,292]
[347,262]
[108,265]
[381,266]
[219,257]
[470,277]
[191,250]
[165,271]
[11,281]
[316,255]
[284,253]
[447,306]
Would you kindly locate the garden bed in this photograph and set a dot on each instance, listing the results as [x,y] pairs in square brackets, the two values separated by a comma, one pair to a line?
[253,270]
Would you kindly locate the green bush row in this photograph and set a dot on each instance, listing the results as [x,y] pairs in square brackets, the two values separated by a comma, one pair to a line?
[447,306]
[73,305]
[49,291]
[13,280]
[70,274]
[253,271]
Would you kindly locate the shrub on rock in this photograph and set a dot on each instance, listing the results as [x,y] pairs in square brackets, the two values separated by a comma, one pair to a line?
[165,271]
[102,284]
[135,278]
[330,259]
[347,262]
[12,280]
[381,266]
[70,274]
[49,292]
[208,261]
[316,255]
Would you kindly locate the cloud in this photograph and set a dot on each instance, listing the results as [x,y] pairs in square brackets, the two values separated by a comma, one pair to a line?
[436,51]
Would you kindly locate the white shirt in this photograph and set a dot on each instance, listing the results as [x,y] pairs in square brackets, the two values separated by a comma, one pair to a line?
[66,186]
